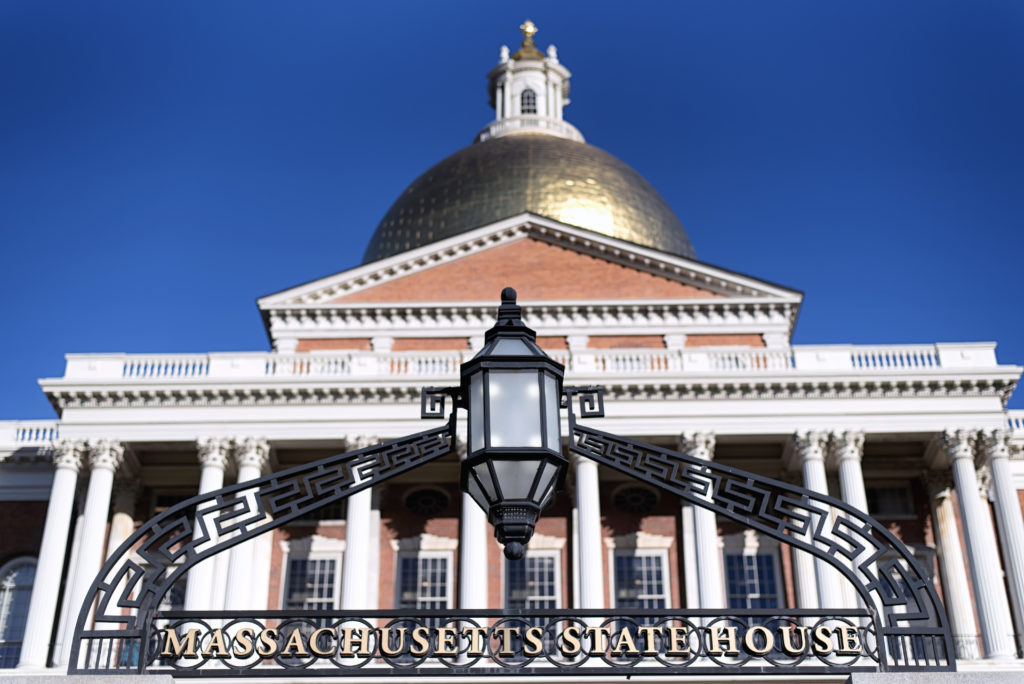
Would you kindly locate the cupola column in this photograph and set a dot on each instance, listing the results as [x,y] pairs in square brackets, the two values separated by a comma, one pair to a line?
[42,605]
[982,552]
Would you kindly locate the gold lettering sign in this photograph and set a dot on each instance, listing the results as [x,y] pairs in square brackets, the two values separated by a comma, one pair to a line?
[506,641]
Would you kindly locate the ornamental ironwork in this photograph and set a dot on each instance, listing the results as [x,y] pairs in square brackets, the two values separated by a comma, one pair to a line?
[900,624]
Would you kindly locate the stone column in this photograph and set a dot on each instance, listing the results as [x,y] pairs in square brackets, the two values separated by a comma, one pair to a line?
[848,450]
[589,556]
[689,546]
[710,577]
[982,552]
[1008,518]
[104,458]
[42,605]
[955,589]
[213,457]
[251,456]
[810,448]
[472,551]
[354,576]
[122,520]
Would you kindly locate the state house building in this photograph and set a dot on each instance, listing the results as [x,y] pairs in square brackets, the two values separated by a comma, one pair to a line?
[692,357]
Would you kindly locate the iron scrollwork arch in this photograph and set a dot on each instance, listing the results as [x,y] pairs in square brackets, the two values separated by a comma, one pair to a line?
[130,586]
[910,621]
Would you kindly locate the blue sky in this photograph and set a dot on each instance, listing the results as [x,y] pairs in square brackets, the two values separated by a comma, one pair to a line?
[164,164]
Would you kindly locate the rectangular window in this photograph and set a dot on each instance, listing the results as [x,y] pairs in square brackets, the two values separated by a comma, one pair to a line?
[424,581]
[531,583]
[312,584]
[640,579]
[752,580]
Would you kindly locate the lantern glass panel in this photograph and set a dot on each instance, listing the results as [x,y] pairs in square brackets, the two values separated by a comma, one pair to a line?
[483,474]
[511,347]
[515,477]
[514,402]
[473,487]
[551,407]
[545,481]
[476,412]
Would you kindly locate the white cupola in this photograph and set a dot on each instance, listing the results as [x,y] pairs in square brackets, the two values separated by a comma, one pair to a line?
[528,91]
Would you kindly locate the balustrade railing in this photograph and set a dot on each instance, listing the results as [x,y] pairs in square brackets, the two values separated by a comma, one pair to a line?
[176,366]
[895,357]
[1015,421]
[612,362]
[36,432]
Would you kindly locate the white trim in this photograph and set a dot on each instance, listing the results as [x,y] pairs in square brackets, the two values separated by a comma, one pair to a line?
[639,540]
[424,542]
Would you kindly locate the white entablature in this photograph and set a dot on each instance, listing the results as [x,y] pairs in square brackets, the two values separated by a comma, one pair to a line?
[722,302]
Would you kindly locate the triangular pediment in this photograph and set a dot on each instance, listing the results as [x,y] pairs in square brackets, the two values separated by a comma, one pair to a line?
[543,259]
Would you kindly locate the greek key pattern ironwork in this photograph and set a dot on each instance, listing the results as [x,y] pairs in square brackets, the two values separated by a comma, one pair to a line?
[889,581]
[135,578]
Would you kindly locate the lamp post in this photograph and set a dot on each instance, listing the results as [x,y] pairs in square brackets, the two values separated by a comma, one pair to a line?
[512,392]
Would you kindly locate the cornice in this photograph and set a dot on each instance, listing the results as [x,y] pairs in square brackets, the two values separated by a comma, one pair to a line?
[289,392]
[555,317]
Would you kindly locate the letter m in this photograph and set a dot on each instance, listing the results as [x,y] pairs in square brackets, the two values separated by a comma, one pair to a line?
[174,648]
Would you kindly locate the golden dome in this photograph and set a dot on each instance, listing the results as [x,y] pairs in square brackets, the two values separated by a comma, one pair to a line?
[561,179]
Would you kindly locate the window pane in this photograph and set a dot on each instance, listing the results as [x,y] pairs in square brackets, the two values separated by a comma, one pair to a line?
[310,584]
[750,580]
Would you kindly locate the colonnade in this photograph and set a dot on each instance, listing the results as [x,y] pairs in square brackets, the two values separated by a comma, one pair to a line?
[979,467]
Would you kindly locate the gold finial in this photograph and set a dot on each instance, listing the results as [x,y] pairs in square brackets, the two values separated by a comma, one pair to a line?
[529,29]
[528,50]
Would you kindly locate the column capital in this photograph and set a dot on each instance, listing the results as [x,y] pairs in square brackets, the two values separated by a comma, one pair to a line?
[106,454]
[252,451]
[996,443]
[67,454]
[848,445]
[213,452]
[698,444]
[810,445]
[959,443]
[939,484]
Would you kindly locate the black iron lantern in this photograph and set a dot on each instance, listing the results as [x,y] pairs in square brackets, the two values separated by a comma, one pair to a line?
[512,392]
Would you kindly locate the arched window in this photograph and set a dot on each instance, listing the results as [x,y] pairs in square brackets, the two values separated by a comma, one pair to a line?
[528,102]
[15,591]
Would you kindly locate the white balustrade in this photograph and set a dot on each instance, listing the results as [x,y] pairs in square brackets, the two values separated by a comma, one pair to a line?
[888,360]
[176,366]
[894,357]
[36,432]
[1015,422]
